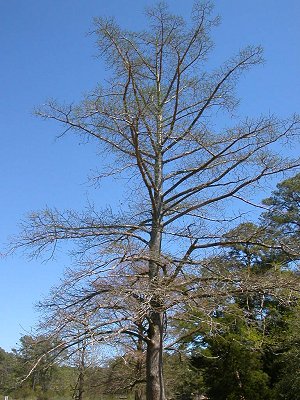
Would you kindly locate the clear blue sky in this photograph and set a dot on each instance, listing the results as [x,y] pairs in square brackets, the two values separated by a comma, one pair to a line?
[45,53]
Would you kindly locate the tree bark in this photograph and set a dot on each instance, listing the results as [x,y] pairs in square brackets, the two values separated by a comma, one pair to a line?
[155,389]
[79,389]
[154,363]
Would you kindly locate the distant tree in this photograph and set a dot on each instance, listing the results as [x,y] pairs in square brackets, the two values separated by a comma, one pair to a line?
[283,216]
[36,355]
[63,382]
[285,205]
[81,366]
[8,372]
[158,117]
[84,361]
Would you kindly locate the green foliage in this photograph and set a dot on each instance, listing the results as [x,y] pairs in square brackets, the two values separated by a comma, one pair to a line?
[231,361]
[288,385]
[285,206]
[183,380]
[37,360]
[284,360]
[9,369]
[234,371]
[283,216]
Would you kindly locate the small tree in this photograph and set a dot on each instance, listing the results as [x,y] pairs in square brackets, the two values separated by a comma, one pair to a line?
[157,119]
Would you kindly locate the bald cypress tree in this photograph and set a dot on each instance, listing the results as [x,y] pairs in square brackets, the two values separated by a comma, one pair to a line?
[156,117]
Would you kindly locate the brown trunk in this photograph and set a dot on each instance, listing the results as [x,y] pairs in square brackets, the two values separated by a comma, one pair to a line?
[154,363]
[155,389]
[79,388]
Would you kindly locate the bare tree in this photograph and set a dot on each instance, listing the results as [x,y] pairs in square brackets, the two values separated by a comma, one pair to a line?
[79,389]
[157,117]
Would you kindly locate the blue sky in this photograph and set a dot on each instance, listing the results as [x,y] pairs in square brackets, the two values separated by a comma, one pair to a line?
[46,53]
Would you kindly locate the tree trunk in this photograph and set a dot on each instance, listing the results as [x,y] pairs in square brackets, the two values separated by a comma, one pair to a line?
[154,361]
[154,364]
[80,386]
[79,389]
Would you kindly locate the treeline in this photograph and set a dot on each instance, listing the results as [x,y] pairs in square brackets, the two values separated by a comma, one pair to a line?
[259,362]
[247,347]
